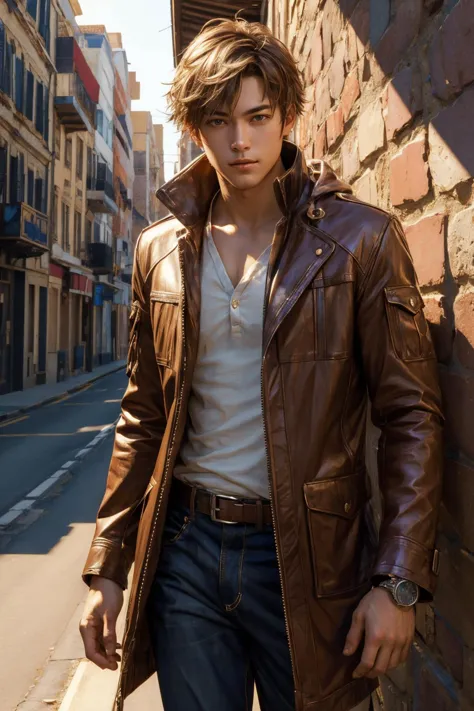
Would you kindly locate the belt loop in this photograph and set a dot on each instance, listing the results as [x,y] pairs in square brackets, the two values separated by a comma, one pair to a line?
[259,515]
[192,502]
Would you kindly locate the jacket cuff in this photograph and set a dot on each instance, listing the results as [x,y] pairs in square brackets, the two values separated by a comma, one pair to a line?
[408,559]
[107,560]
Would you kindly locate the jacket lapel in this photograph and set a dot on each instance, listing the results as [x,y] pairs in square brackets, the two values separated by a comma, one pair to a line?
[305,252]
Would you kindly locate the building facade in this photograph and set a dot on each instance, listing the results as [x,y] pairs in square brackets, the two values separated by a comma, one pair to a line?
[149,171]
[27,85]
[390,90]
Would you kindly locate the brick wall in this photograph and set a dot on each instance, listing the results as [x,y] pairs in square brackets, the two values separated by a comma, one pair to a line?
[391,108]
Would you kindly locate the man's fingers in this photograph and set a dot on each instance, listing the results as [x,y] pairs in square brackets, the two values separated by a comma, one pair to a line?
[354,635]
[369,655]
[109,636]
[382,660]
[91,637]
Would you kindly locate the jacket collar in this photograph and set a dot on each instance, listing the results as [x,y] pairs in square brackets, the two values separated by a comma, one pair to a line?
[189,193]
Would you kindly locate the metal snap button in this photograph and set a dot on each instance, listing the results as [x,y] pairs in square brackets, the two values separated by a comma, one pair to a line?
[235,303]
[319,252]
[347,506]
[412,302]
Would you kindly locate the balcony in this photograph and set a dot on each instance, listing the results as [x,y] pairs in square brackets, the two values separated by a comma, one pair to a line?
[101,193]
[75,109]
[100,258]
[23,230]
[78,90]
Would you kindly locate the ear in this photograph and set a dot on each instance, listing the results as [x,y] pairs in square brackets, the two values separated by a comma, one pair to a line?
[290,121]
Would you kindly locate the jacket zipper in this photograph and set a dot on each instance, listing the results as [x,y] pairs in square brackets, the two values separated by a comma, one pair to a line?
[119,700]
[270,489]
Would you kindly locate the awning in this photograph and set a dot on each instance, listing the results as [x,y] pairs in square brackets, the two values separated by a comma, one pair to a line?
[188,17]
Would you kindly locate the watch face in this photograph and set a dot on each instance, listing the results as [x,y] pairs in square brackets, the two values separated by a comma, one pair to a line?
[406,593]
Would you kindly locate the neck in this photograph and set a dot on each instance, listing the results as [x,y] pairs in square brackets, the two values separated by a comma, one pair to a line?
[249,210]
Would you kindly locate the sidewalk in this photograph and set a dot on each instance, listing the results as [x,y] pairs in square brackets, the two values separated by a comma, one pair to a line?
[21,401]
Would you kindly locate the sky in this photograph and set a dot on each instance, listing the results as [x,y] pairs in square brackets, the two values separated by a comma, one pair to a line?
[146,36]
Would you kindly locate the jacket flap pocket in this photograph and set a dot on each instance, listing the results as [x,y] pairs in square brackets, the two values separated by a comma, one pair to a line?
[165,297]
[407,297]
[342,496]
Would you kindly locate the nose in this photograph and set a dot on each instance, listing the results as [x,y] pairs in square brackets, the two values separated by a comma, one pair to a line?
[241,142]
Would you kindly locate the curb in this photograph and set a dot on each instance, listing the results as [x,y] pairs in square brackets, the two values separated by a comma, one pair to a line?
[26,510]
[48,400]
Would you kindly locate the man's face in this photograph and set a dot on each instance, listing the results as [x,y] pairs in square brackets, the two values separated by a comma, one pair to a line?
[245,146]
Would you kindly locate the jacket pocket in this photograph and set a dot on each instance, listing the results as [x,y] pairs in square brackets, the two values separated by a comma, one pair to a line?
[341,547]
[320,325]
[408,327]
[134,321]
[164,309]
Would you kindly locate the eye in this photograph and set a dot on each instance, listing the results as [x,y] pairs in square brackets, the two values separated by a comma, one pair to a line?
[260,118]
[215,122]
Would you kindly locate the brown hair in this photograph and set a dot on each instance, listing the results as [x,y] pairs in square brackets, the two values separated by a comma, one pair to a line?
[210,72]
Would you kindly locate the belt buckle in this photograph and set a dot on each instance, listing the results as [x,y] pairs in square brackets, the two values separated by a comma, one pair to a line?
[214,508]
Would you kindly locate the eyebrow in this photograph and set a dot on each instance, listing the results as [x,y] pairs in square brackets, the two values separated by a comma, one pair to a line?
[262,107]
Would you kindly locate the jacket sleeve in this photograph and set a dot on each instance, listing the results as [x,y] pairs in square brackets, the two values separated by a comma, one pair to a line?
[402,376]
[137,441]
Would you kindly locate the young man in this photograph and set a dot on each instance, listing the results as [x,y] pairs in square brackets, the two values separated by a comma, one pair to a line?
[265,308]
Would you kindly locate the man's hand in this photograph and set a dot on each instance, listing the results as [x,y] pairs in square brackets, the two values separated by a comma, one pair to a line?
[97,626]
[389,632]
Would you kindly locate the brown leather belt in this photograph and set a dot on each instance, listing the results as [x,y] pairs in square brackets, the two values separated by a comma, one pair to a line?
[223,509]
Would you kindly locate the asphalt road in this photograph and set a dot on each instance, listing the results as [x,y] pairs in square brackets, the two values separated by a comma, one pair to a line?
[37,444]
[40,585]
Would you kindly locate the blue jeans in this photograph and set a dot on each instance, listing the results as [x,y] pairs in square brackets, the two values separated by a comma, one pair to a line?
[216,617]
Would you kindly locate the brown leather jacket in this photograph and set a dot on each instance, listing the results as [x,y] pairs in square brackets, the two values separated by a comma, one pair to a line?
[343,320]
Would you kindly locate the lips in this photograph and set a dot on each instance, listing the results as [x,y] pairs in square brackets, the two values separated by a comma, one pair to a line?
[243,162]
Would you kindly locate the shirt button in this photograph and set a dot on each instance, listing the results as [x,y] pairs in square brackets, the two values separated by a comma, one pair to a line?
[319,252]
[235,303]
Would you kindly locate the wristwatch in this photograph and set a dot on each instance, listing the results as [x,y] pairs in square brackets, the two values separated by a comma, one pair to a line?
[404,592]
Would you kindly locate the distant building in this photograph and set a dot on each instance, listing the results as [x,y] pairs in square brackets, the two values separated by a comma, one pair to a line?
[149,171]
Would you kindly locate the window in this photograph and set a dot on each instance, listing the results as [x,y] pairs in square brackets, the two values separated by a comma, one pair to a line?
[55,221]
[90,168]
[100,121]
[3,174]
[79,157]
[32,7]
[88,234]
[65,226]
[68,156]
[21,177]
[2,55]
[46,115]
[77,232]
[39,108]
[38,194]
[57,143]
[31,318]
[31,188]
[19,83]
[13,179]
[30,88]
[8,70]
[44,20]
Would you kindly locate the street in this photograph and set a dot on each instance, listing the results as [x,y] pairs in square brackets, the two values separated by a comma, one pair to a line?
[40,584]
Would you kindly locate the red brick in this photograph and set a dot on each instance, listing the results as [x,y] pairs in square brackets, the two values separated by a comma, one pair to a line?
[316,52]
[451,647]
[347,7]
[322,100]
[400,34]
[452,143]
[464,338]
[337,71]
[458,392]
[335,126]
[402,101]
[441,327]
[371,130]
[426,242]
[350,93]
[360,22]
[350,159]
[458,500]
[452,52]
[460,244]
[366,187]
[409,173]
[320,143]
